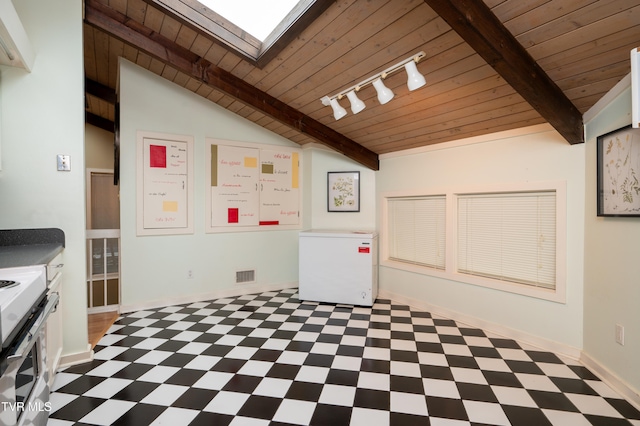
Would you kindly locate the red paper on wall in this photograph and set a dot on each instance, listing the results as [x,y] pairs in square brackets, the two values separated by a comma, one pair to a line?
[232,215]
[158,156]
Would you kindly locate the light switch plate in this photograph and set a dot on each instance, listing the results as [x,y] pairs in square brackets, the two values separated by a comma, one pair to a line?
[64,163]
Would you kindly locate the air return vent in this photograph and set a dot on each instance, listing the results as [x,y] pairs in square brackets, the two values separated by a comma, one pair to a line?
[248,276]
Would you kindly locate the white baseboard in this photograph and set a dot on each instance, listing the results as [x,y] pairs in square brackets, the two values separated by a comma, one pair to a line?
[235,291]
[499,329]
[616,383]
[76,358]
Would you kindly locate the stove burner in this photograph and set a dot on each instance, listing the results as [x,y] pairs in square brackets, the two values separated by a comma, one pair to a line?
[7,283]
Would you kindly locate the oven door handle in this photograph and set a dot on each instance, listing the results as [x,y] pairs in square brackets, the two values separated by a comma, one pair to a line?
[29,339]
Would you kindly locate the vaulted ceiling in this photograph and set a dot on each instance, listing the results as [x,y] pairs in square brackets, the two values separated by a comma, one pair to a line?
[490,66]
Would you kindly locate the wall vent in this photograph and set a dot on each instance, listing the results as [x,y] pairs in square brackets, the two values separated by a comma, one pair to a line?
[248,276]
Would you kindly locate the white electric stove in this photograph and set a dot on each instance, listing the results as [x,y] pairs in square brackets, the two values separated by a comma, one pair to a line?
[21,289]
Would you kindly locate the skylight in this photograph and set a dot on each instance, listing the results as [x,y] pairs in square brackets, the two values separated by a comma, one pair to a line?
[257,17]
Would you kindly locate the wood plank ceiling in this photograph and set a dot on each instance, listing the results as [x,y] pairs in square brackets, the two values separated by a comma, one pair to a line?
[580,46]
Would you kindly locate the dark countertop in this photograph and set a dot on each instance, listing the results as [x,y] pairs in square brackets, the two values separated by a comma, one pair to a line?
[34,254]
[25,247]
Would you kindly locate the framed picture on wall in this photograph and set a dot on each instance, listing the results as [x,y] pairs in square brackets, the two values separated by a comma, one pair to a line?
[618,156]
[343,191]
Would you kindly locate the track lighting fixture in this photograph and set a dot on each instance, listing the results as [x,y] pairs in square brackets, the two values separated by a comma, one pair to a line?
[415,80]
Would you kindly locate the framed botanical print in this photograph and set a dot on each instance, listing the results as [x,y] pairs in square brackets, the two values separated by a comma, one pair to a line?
[618,155]
[343,191]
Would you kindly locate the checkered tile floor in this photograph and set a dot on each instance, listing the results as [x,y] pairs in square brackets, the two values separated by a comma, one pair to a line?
[271,359]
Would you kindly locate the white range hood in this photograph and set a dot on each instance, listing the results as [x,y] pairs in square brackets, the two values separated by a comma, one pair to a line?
[15,48]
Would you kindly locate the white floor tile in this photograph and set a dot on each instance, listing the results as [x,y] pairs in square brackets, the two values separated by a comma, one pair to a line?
[150,343]
[408,403]
[513,396]
[276,344]
[403,345]
[109,352]
[108,412]
[153,357]
[369,417]
[146,332]
[312,374]
[63,379]
[493,364]
[565,418]
[295,412]
[557,370]
[537,382]
[59,400]
[241,352]
[194,348]
[175,417]
[164,395]
[590,404]
[187,336]
[158,374]
[248,421]
[440,388]
[376,381]
[256,368]
[338,395]
[452,349]
[108,388]
[428,358]
[468,375]
[108,369]
[291,357]
[349,363]
[513,354]
[270,386]
[407,369]
[227,403]
[485,412]
[213,380]
[382,354]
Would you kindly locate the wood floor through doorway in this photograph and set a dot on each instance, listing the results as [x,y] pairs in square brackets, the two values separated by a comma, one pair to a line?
[99,325]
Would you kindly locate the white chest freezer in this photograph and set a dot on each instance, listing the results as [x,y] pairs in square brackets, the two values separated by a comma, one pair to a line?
[338,267]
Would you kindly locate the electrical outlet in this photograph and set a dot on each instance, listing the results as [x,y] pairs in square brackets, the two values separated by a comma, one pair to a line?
[620,334]
[190,274]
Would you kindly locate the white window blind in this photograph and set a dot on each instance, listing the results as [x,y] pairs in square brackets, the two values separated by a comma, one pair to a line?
[508,236]
[417,230]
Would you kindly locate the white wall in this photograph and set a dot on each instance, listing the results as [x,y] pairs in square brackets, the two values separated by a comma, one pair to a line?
[318,162]
[42,116]
[98,148]
[529,155]
[612,266]
[154,268]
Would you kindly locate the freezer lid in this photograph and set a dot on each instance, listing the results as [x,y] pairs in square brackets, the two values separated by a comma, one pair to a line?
[338,233]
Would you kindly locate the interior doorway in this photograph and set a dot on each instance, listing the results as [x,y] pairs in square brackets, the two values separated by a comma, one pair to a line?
[103,242]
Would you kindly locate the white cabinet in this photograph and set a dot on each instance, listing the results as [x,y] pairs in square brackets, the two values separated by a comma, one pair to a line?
[338,267]
[53,331]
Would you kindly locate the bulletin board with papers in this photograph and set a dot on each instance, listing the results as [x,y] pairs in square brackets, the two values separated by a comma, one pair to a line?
[252,187]
[164,184]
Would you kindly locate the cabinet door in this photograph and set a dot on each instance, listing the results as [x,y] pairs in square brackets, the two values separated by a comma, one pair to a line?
[53,330]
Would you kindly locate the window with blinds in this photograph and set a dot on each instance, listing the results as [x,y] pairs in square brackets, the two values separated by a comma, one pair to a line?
[508,236]
[416,227]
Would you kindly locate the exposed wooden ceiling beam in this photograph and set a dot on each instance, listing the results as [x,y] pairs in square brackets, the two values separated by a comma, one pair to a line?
[101,91]
[174,55]
[484,32]
[99,122]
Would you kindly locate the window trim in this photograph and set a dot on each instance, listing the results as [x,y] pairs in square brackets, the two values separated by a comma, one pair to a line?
[216,27]
[451,262]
